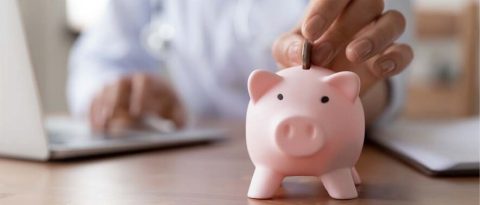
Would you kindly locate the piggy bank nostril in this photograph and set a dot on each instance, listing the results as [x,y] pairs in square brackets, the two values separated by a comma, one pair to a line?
[310,131]
[289,131]
[286,131]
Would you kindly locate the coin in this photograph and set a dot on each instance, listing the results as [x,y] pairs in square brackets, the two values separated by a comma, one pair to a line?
[306,55]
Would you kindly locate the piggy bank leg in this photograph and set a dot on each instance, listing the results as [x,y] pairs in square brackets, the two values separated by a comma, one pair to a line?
[339,184]
[264,183]
[356,176]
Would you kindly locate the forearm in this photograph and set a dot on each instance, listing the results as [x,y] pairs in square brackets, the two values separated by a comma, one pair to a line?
[375,100]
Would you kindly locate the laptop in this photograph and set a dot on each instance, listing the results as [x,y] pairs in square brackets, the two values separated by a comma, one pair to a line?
[23,133]
[435,147]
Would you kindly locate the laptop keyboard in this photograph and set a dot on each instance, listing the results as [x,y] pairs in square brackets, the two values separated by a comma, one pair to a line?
[60,138]
[74,138]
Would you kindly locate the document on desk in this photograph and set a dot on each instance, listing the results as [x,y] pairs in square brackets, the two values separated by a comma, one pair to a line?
[436,147]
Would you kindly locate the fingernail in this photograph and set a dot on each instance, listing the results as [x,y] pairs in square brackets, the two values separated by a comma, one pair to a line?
[293,53]
[313,28]
[323,54]
[362,48]
[387,66]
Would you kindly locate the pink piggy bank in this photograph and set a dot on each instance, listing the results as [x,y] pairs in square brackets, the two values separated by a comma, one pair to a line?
[304,123]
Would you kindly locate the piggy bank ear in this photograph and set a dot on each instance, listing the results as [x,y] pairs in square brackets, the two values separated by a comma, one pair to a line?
[261,81]
[348,83]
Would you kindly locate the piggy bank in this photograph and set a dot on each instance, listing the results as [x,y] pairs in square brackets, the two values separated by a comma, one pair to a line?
[304,123]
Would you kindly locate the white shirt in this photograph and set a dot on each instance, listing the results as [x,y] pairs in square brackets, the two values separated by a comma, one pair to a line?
[206,47]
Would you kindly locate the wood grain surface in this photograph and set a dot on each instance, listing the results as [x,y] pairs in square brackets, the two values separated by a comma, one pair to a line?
[215,173]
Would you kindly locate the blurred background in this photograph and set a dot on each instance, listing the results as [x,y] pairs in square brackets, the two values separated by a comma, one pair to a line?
[443,79]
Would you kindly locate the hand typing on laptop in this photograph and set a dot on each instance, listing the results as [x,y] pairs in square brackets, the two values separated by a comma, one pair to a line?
[132,100]
[129,101]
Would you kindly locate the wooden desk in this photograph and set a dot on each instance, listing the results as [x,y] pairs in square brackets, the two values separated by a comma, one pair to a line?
[217,173]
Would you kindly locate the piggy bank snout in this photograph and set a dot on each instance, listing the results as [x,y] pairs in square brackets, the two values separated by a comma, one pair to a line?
[298,136]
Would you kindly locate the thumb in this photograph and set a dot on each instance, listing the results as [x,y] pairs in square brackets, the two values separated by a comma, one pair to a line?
[287,49]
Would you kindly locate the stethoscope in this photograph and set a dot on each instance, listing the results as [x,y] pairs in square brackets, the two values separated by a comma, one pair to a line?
[158,35]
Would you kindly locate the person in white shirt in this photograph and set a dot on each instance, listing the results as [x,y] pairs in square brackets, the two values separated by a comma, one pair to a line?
[179,58]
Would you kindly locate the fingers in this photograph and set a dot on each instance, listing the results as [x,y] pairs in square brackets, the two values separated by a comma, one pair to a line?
[320,15]
[287,49]
[178,115]
[139,94]
[169,106]
[108,103]
[97,114]
[116,96]
[152,95]
[376,37]
[122,104]
[357,15]
[331,25]
[391,61]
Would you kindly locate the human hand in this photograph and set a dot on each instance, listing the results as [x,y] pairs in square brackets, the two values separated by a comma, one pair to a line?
[123,103]
[353,35]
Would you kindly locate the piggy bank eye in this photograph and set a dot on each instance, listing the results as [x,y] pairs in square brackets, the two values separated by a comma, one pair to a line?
[280,96]
[324,99]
